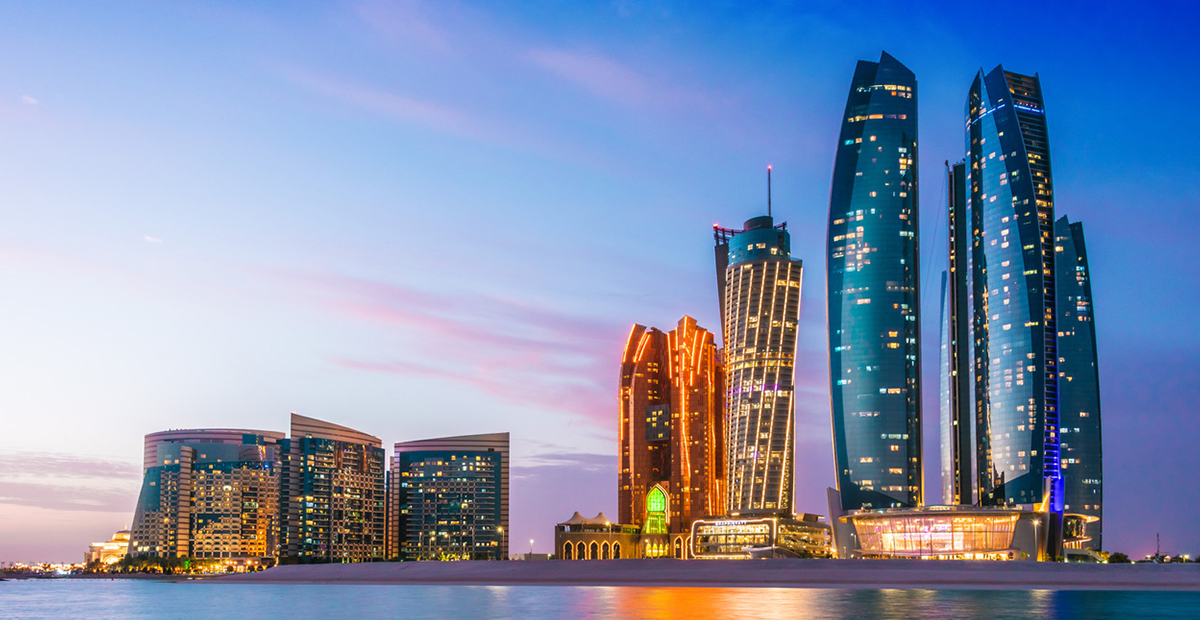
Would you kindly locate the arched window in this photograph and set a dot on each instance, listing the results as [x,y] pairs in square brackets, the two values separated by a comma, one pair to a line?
[604,551]
[594,552]
[657,509]
[567,549]
[616,551]
[678,548]
[580,551]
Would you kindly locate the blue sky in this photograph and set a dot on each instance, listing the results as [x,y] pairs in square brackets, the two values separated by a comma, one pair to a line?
[431,218]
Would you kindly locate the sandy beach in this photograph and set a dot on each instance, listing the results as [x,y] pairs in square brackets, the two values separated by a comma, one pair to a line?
[842,574]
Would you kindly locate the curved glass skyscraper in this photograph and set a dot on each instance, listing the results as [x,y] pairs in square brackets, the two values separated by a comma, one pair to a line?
[1011,199]
[760,307]
[1079,381]
[873,293]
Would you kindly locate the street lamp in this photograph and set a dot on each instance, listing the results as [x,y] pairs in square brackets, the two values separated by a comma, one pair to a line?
[503,543]
[531,548]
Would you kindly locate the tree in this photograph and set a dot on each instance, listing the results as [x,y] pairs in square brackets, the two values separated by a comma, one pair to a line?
[1118,558]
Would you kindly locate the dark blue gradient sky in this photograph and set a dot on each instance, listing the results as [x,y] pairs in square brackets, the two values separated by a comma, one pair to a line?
[428,218]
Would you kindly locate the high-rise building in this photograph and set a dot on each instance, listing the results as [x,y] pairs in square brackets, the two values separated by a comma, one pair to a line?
[332,494]
[873,292]
[209,494]
[1011,198]
[671,431]
[1078,381]
[448,498]
[760,287]
[957,411]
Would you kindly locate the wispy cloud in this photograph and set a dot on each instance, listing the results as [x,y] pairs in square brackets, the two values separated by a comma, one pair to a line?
[515,350]
[58,481]
[582,462]
[389,104]
[150,239]
[613,81]
[68,497]
[57,465]
[27,100]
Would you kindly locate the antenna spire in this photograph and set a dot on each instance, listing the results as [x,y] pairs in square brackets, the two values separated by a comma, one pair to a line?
[768,191]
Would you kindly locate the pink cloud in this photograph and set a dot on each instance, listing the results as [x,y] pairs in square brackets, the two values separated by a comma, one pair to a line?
[514,350]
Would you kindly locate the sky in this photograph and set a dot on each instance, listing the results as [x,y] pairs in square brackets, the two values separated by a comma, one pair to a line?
[421,219]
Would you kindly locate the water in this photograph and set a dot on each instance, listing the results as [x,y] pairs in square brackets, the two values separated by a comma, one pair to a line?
[133,599]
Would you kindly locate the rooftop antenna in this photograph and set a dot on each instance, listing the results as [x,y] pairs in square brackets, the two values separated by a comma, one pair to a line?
[768,190]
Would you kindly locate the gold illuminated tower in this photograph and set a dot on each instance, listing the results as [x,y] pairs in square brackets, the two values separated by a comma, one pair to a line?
[671,427]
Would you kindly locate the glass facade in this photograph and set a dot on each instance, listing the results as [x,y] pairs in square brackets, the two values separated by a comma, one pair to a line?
[761,284]
[946,427]
[873,292]
[958,428]
[934,535]
[1079,381]
[448,498]
[1011,199]
[333,494]
[449,505]
[803,536]
[208,500]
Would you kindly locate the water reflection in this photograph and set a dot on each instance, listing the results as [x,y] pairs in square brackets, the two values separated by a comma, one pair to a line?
[35,600]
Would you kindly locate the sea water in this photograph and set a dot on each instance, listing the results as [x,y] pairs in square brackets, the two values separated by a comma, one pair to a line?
[196,600]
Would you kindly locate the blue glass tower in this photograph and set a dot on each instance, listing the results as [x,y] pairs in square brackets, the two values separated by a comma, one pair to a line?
[1079,381]
[958,428]
[873,292]
[1014,320]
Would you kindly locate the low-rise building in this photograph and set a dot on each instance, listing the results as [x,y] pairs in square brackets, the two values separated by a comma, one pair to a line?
[109,552]
[767,536]
[581,538]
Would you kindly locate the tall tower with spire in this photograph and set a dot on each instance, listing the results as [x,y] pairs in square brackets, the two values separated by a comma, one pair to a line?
[759,286]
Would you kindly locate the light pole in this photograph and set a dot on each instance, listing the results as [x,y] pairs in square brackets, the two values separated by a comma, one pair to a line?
[503,543]
[531,548]
[1037,540]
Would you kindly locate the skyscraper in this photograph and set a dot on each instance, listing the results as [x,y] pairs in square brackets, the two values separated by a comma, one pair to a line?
[671,428]
[1079,381]
[957,432]
[448,498]
[332,494]
[760,284]
[1014,319]
[209,494]
[873,292]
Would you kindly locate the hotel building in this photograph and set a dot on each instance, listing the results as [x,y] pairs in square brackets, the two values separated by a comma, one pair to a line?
[759,283]
[332,493]
[671,432]
[1079,382]
[873,292]
[1010,194]
[209,494]
[448,498]
[1020,405]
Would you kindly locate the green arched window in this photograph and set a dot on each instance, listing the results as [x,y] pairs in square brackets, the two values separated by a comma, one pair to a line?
[656,511]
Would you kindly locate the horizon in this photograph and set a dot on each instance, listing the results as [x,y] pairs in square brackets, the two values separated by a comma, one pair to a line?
[422,220]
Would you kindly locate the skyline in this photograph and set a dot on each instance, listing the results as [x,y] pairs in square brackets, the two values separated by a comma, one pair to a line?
[219,231]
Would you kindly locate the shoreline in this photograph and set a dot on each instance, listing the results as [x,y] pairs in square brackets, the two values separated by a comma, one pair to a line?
[823,574]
